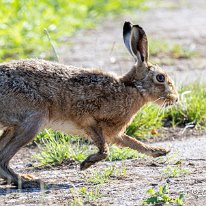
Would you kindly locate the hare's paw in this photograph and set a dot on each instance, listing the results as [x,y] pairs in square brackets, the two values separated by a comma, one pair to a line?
[85,164]
[38,184]
[158,151]
[92,159]
[27,177]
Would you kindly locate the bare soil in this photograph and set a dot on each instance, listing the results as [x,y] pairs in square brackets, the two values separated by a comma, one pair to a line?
[176,21]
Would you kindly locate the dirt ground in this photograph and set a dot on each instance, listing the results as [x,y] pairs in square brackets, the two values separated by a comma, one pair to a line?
[176,21]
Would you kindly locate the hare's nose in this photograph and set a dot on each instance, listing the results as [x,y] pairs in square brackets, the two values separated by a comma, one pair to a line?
[177,100]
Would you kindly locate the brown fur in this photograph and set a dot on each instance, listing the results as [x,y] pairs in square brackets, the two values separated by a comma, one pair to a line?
[37,94]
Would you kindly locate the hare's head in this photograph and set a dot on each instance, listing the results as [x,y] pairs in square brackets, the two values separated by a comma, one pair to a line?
[152,82]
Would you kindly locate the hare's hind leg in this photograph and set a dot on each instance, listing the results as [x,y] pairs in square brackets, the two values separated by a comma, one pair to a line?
[6,137]
[127,141]
[99,141]
[21,135]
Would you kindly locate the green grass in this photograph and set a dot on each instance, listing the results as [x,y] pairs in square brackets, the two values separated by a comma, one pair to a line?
[147,119]
[83,194]
[23,22]
[174,171]
[117,153]
[94,180]
[191,111]
[104,175]
[57,148]
[161,197]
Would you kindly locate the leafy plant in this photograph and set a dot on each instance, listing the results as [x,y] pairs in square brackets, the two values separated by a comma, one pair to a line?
[117,153]
[103,176]
[161,197]
[148,118]
[174,171]
[57,149]
[191,111]
[83,194]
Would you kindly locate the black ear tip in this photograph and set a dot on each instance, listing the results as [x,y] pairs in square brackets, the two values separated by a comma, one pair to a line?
[127,27]
[138,27]
[127,24]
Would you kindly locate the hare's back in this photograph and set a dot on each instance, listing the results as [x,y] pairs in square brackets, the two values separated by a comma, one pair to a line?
[44,80]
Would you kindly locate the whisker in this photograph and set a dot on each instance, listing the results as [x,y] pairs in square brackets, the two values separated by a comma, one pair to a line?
[160,109]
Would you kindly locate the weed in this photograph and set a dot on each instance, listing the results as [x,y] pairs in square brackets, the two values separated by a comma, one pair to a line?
[170,159]
[148,118]
[103,176]
[76,201]
[117,153]
[191,111]
[161,197]
[81,195]
[50,134]
[174,171]
[178,51]
[56,149]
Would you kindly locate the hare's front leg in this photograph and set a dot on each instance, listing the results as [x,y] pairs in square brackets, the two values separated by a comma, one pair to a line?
[99,141]
[12,140]
[127,141]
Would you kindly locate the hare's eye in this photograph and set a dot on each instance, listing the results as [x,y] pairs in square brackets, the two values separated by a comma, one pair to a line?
[160,78]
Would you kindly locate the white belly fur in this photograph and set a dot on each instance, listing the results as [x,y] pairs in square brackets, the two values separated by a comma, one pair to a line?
[67,127]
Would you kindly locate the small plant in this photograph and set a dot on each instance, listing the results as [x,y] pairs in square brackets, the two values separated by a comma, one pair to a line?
[191,111]
[82,195]
[117,153]
[175,171]
[76,201]
[148,118]
[103,176]
[57,149]
[161,197]
[48,134]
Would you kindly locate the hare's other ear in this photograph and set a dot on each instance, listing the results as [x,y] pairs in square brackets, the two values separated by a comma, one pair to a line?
[136,42]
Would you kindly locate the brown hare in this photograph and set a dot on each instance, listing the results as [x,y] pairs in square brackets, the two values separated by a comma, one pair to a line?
[37,94]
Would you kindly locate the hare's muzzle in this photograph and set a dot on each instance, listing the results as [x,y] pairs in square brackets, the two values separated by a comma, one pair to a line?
[171,99]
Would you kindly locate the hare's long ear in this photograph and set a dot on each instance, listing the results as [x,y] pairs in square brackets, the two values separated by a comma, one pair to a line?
[136,42]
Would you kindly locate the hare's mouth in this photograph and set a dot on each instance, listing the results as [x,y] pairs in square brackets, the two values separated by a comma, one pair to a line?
[165,103]
[169,103]
[171,100]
